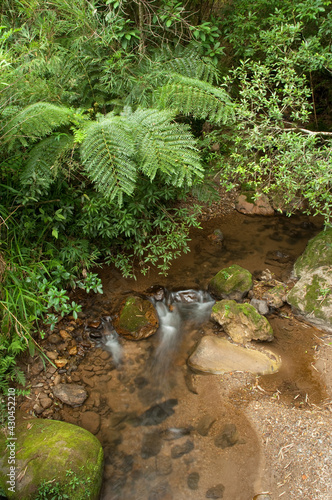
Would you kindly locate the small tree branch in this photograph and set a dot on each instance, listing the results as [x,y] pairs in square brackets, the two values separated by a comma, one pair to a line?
[306,131]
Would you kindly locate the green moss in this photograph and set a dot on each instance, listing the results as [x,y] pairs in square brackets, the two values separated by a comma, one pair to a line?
[317,253]
[132,316]
[47,450]
[231,280]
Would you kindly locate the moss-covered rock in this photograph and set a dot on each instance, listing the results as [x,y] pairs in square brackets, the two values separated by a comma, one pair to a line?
[137,319]
[241,322]
[311,297]
[66,455]
[317,253]
[276,296]
[233,282]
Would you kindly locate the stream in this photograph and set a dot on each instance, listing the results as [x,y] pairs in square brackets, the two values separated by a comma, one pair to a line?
[169,433]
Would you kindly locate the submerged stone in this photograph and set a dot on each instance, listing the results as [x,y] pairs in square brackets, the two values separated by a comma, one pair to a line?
[151,444]
[192,480]
[204,425]
[215,492]
[182,449]
[137,320]
[233,282]
[229,436]
[216,355]
[48,449]
[157,413]
[241,322]
[311,297]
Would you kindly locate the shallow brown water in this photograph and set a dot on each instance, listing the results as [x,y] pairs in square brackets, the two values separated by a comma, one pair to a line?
[141,459]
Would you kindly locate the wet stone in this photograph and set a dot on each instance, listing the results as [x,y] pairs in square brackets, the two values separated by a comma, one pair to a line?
[71,394]
[192,480]
[161,492]
[262,496]
[157,413]
[163,465]
[228,437]
[45,402]
[216,491]
[205,424]
[148,395]
[140,382]
[182,449]
[90,421]
[151,445]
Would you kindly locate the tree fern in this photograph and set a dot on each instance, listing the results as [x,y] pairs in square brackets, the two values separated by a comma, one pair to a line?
[40,170]
[36,121]
[191,96]
[165,146]
[107,153]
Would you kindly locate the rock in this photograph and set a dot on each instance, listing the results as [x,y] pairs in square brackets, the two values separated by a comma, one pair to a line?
[186,296]
[61,362]
[217,236]
[233,282]
[161,492]
[228,437]
[71,394]
[137,319]
[276,297]
[182,449]
[241,322]
[276,256]
[204,425]
[65,335]
[311,297]
[45,402]
[163,465]
[51,355]
[157,413]
[48,449]
[90,421]
[216,355]
[188,378]
[215,492]
[192,480]
[262,496]
[157,292]
[54,338]
[249,205]
[151,444]
[37,368]
[317,253]
[260,306]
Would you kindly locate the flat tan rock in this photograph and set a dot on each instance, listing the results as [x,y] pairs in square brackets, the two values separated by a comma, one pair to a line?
[216,355]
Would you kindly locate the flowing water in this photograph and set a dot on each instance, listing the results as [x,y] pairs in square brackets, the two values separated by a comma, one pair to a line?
[169,433]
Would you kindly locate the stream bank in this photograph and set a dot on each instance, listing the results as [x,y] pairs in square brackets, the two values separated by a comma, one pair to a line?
[234,435]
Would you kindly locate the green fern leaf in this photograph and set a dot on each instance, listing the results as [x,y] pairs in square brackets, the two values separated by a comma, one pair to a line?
[107,154]
[36,121]
[166,147]
[190,96]
[40,170]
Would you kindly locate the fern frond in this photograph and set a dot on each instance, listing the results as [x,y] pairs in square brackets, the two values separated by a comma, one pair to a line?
[40,170]
[165,146]
[190,96]
[36,121]
[107,154]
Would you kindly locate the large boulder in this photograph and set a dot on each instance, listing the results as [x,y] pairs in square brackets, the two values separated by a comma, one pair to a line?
[311,297]
[250,204]
[233,282]
[216,355]
[241,322]
[66,456]
[317,253]
[137,320]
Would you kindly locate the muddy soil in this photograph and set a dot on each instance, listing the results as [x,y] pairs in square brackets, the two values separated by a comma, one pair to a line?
[173,434]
